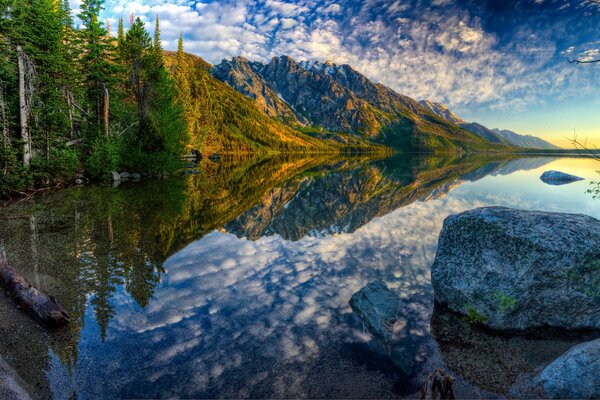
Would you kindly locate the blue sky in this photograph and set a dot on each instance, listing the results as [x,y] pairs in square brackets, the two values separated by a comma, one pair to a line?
[501,63]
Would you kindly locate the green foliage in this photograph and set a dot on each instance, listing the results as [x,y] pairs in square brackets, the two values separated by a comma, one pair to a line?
[113,98]
[594,189]
[474,317]
[505,302]
[60,165]
[14,176]
[104,158]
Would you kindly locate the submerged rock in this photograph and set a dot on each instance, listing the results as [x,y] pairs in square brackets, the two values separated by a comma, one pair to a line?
[558,178]
[492,360]
[514,269]
[11,385]
[377,307]
[574,375]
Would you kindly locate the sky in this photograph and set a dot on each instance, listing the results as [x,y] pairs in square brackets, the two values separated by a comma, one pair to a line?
[497,62]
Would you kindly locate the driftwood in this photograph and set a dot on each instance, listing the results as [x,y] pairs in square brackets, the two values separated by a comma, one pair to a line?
[42,307]
[438,386]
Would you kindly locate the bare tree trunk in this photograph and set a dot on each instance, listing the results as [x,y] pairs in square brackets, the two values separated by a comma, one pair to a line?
[105,110]
[42,307]
[34,249]
[5,137]
[23,108]
[68,95]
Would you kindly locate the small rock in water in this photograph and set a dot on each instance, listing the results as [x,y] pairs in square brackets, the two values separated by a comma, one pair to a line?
[78,182]
[574,375]
[559,178]
[515,269]
[377,307]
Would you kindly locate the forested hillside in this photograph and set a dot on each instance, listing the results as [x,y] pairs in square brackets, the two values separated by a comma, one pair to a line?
[81,99]
[219,119]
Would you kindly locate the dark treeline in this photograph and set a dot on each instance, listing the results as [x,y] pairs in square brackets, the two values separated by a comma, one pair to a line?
[80,99]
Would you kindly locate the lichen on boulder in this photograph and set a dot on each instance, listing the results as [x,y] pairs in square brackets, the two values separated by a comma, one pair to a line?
[515,269]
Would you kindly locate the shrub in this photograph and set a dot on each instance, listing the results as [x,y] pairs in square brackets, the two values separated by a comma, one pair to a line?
[60,165]
[104,158]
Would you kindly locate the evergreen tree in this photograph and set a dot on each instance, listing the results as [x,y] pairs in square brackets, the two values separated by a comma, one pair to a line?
[158,50]
[97,67]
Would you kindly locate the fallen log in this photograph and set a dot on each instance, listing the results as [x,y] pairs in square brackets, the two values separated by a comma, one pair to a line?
[438,386]
[42,307]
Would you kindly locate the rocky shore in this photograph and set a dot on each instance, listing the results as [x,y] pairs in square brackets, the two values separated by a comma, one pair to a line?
[520,298]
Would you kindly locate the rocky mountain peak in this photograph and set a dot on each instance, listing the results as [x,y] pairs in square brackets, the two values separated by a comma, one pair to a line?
[441,110]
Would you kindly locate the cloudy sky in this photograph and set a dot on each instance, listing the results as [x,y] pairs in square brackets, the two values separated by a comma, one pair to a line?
[502,63]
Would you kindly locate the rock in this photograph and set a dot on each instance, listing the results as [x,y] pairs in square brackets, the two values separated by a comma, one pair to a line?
[11,385]
[513,269]
[377,307]
[558,178]
[125,176]
[574,375]
[136,177]
[78,181]
[116,177]
[492,361]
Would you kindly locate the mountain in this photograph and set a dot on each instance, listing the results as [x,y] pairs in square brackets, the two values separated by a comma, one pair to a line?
[229,122]
[326,99]
[492,135]
[344,196]
[528,141]
[441,110]
[484,132]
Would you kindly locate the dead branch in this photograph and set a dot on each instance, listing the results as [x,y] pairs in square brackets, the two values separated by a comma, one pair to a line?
[583,149]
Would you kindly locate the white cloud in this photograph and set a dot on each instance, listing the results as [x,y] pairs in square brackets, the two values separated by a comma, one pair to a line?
[440,52]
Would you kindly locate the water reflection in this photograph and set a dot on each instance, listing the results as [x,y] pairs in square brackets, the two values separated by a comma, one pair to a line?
[235,282]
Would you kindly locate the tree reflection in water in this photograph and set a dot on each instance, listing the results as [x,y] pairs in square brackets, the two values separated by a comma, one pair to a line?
[95,247]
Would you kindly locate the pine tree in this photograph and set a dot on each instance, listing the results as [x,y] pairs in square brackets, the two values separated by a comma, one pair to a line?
[158,50]
[97,67]
[181,75]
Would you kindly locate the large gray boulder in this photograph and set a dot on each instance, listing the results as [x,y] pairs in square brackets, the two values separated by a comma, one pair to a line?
[558,178]
[574,375]
[514,269]
[377,307]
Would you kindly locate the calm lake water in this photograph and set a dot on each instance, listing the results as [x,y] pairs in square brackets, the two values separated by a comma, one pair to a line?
[234,282]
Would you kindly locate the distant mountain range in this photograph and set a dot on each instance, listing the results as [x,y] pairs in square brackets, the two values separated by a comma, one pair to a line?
[491,135]
[285,105]
[326,98]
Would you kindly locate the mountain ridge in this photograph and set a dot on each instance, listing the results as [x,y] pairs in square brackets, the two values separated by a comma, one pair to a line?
[494,135]
[319,97]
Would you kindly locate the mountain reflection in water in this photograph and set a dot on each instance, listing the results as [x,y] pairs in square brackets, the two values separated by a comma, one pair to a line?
[235,282]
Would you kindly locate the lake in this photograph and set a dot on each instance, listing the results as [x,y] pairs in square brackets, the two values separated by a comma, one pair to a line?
[234,282]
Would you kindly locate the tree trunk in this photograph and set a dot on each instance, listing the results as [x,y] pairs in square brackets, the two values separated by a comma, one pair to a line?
[70,108]
[438,386]
[43,308]
[5,137]
[23,108]
[105,110]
